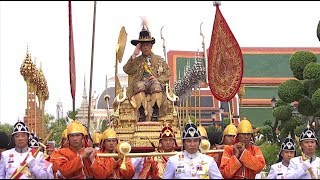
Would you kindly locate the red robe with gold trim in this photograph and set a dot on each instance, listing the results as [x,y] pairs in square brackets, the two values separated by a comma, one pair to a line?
[250,163]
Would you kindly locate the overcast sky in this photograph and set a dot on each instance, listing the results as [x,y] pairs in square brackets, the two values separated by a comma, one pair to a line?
[43,26]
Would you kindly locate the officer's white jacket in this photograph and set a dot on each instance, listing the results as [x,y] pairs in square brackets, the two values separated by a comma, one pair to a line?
[191,166]
[277,171]
[11,159]
[295,170]
[138,165]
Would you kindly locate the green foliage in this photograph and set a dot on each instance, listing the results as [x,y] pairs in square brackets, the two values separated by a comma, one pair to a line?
[270,152]
[299,60]
[299,129]
[103,125]
[305,107]
[58,127]
[316,99]
[226,122]
[311,71]
[266,131]
[280,103]
[282,112]
[290,90]
[72,114]
[7,128]
[290,126]
[313,86]
[306,83]
[212,128]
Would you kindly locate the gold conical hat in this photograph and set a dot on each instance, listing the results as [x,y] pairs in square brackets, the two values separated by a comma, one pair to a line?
[64,134]
[96,137]
[76,127]
[231,129]
[245,126]
[108,134]
[202,131]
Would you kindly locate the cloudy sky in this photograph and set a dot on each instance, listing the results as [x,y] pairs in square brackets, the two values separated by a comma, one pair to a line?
[43,26]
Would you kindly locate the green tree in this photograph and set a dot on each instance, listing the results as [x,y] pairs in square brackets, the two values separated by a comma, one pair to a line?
[304,90]
[269,151]
[58,126]
[7,128]
[72,114]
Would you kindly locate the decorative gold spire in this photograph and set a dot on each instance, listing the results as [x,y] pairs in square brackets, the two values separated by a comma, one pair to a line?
[27,68]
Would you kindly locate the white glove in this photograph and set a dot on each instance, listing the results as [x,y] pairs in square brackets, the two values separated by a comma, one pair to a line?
[306,165]
[30,160]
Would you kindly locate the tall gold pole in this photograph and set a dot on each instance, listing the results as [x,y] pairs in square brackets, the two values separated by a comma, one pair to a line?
[230,113]
[151,154]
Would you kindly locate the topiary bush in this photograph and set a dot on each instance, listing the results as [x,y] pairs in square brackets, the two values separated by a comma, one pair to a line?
[299,60]
[305,107]
[314,85]
[280,103]
[311,71]
[282,113]
[315,100]
[306,83]
[290,90]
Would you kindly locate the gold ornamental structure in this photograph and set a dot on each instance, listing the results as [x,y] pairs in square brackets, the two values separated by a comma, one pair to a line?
[37,95]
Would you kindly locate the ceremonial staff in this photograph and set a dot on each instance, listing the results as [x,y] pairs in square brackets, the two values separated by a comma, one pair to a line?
[91,68]
[204,52]
[34,155]
[152,154]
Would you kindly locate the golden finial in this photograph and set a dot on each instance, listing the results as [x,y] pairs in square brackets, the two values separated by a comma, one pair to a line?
[27,67]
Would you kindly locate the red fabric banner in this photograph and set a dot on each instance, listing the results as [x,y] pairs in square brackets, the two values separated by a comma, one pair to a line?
[225,61]
[72,68]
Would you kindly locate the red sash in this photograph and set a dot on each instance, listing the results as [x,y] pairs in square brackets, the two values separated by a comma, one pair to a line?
[22,164]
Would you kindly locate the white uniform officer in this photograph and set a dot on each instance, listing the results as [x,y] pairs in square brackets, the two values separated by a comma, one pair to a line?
[14,158]
[305,168]
[190,163]
[288,151]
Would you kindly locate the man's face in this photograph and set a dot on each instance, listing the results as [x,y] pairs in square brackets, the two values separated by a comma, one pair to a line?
[146,48]
[191,145]
[309,146]
[21,139]
[110,145]
[228,139]
[76,140]
[244,138]
[287,155]
[167,144]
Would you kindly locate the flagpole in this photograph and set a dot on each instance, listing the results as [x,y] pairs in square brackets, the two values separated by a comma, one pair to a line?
[91,69]
[72,69]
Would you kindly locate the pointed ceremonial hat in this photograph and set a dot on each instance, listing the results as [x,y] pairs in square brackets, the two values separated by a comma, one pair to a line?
[20,127]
